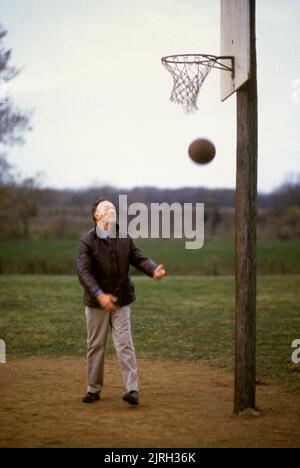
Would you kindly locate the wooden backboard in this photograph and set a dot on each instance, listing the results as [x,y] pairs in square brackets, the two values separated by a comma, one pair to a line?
[235,41]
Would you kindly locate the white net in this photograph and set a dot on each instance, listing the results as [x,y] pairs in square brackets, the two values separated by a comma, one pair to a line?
[188,72]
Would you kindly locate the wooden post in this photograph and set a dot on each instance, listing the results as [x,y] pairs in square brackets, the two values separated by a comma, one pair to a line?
[245,233]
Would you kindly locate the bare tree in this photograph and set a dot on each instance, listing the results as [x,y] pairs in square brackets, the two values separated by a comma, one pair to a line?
[13,122]
[17,197]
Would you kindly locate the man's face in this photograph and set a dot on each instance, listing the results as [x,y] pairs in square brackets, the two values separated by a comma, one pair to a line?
[105,214]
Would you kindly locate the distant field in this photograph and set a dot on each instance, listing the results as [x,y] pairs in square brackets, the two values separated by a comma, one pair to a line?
[215,258]
[179,318]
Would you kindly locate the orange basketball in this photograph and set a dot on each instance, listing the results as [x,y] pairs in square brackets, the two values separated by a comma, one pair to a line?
[202,151]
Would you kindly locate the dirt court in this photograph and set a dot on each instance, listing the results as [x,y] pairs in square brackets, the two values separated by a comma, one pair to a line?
[182,405]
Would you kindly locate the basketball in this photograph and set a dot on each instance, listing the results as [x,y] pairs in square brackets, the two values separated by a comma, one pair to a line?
[202,151]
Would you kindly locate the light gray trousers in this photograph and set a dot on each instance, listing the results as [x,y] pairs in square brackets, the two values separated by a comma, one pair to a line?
[98,323]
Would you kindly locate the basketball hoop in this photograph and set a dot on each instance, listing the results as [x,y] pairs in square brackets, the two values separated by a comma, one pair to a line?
[189,72]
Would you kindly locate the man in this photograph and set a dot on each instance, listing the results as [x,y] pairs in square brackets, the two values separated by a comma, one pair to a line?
[103,269]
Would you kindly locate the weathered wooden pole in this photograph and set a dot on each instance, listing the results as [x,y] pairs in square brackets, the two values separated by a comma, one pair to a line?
[245,233]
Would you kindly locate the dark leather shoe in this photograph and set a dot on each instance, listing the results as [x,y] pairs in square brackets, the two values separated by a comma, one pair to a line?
[91,397]
[131,397]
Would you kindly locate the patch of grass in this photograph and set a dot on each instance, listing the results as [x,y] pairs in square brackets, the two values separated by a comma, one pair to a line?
[215,258]
[35,257]
[179,318]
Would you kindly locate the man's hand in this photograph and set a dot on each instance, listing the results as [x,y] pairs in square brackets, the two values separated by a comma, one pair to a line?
[107,301]
[159,273]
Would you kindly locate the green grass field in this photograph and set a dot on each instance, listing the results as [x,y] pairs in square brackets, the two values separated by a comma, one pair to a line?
[215,258]
[179,318]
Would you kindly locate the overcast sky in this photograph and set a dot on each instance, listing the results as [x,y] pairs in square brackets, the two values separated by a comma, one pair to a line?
[91,71]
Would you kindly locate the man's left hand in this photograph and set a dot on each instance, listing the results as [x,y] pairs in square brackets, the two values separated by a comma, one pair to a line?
[159,273]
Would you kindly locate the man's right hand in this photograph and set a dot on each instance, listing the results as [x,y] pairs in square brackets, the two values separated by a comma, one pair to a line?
[107,301]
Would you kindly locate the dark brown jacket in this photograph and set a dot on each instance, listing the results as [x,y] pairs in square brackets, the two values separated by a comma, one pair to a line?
[104,264]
